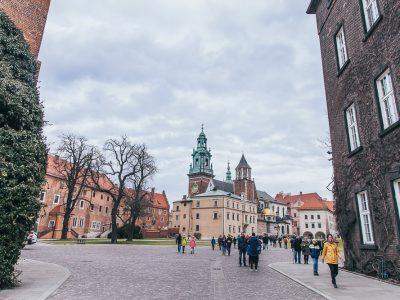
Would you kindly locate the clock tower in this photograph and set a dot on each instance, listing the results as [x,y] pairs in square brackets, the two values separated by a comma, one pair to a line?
[200,170]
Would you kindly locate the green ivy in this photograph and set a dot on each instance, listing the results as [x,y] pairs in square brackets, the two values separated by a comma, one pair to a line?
[22,147]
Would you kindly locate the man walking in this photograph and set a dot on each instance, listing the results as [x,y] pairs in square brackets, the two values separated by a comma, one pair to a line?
[315,251]
[265,241]
[297,249]
[178,241]
[254,251]
[242,246]
[229,242]
[213,243]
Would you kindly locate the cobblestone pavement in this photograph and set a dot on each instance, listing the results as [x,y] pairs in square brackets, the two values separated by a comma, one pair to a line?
[158,272]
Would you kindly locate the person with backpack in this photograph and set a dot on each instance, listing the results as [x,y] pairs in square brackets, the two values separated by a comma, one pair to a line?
[315,252]
[242,247]
[305,249]
[178,241]
[254,250]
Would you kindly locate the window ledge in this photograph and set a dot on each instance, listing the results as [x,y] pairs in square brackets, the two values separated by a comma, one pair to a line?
[368,247]
[355,151]
[343,67]
[390,129]
[372,29]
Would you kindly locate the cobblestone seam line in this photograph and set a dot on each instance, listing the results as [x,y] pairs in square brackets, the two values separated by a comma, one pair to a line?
[219,290]
[300,282]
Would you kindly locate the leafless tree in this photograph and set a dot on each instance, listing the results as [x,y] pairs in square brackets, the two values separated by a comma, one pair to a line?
[138,197]
[73,163]
[113,171]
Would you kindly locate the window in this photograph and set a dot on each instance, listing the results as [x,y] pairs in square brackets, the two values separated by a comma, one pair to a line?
[365,217]
[106,209]
[245,218]
[237,217]
[215,215]
[294,214]
[227,203]
[312,225]
[74,222]
[318,217]
[42,196]
[387,101]
[184,216]
[312,217]
[239,229]
[319,225]
[197,227]
[177,208]
[52,223]
[227,216]
[215,203]
[306,225]
[396,185]
[81,204]
[56,199]
[91,206]
[233,229]
[230,229]
[352,129]
[197,216]
[184,204]
[94,194]
[94,225]
[81,222]
[100,208]
[177,217]
[306,217]
[371,13]
[198,204]
[341,50]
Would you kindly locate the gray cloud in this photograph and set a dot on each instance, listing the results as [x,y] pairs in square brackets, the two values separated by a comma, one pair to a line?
[156,70]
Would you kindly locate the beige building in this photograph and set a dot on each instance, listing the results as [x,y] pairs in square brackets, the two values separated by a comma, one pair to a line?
[214,213]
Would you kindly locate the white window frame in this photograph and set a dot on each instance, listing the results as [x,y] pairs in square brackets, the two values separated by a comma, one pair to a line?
[42,197]
[387,100]
[75,222]
[341,47]
[94,224]
[52,222]
[58,197]
[365,218]
[396,187]
[352,128]
[371,13]
[82,222]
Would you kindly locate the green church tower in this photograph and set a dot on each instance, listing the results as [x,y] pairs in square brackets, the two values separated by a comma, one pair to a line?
[228,174]
[201,157]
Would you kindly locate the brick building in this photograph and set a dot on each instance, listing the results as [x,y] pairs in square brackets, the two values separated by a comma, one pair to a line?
[91,216]
[30,17]
[360,47]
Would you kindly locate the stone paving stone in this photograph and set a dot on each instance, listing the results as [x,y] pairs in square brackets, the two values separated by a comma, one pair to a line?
[158,272]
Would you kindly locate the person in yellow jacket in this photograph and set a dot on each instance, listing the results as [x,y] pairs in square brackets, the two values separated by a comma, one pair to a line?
[184,243]
[330,255]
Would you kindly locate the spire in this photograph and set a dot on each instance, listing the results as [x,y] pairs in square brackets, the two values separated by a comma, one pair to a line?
[243,163]
[201,157]
[243,169]
[228,173]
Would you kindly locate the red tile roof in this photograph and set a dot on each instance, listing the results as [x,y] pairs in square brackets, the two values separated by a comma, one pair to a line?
[311,201]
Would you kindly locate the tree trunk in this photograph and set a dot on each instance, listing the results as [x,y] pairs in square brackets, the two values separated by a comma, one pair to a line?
[130,229]
[67,215]
[114,228]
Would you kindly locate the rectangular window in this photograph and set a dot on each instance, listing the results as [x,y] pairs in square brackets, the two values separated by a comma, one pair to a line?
[371,13]
[184,216]
[197,203]
[81,222]
[215,216]
[365,218]
[106,209]
[56,199]
[197,227]
[312,217]
[306,217]
[237,217]
[42,196]
[312,225]
[75,222]
[94,225]
[197,216]
[177,217]
[239,229]
[215,203]
[306,225]
[341,47]
[318,217]
[319,225]
[82,204]
[396,185]
[100,207]
[352,129]
[227,216]
[387,101]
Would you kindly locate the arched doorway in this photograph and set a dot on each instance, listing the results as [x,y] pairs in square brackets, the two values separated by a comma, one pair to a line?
[320,235]
[308,235]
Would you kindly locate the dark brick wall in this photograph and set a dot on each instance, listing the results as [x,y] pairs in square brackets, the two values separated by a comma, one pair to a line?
[378,162]
[30,17]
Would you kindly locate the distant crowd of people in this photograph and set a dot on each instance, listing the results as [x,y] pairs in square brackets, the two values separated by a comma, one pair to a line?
[251,246]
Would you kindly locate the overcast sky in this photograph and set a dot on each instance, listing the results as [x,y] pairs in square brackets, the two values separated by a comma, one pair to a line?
[156,70]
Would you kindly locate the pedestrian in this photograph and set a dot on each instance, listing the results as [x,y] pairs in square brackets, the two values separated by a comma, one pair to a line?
[234,241]
[315,252]
[192,244]
[274,241]
[254,250]
[285,242]
[297,250]
[242,247]
[184,243]
[292,241]
[178,241]
[330,255]
[229,242]
[265,241]
[280,241]
[219,242]
[213,243]
[305,249]
[223,245]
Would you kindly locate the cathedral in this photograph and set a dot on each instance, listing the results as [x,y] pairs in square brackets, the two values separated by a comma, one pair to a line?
[220,207]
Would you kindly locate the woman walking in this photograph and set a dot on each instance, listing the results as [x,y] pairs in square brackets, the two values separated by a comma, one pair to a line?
[305,248]
[192,244]
[330,255]
[179,242]
[223,245]
[184,243]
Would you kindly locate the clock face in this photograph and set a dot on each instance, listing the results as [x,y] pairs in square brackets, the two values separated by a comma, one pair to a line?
[195,188]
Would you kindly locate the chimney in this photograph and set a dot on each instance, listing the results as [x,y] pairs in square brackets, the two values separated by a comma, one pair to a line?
[301,193]
[184,197]
[152,190]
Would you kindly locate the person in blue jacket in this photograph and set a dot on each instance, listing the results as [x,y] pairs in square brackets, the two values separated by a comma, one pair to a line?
[315,252]
[253,250]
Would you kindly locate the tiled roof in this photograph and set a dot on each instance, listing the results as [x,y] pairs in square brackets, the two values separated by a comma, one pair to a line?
[262,195]
[310,201]
[223,186]
[243,163]
[217,193]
